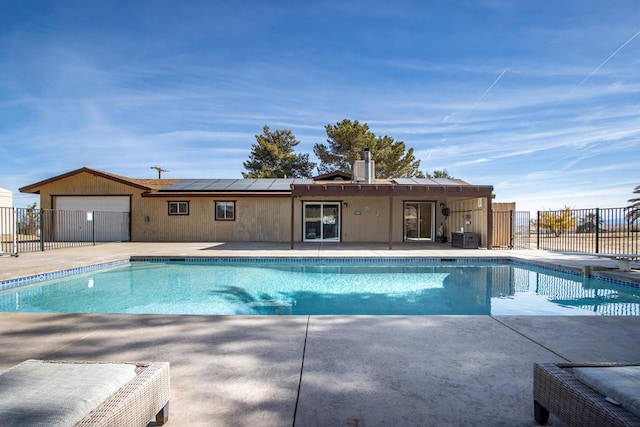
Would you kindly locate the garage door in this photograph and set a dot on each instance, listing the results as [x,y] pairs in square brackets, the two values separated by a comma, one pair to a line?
[92,218]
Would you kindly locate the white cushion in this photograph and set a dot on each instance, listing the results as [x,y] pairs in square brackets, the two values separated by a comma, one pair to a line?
[39,393]
[620,383]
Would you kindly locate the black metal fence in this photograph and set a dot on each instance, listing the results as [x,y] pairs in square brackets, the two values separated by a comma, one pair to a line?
[597,230]
[511,230]
[31,230]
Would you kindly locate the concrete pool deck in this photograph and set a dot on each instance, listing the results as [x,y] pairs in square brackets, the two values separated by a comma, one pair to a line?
[324,370]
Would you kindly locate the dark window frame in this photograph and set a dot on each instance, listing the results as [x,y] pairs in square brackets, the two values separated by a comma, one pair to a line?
[226,202]
[178,203]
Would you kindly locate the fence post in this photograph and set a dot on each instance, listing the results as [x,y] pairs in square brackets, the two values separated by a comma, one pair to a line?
[93,227]
[538,231]
[597,230]
[14,248]
[511,230]
[41,228]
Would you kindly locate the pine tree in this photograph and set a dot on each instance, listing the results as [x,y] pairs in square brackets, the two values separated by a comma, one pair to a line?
[346,143]
[273,156]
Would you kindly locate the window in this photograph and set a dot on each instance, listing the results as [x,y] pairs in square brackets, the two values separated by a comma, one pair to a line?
[225,211]
[178,208]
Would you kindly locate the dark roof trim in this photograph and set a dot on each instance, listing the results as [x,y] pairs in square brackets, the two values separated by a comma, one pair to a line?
[331,176]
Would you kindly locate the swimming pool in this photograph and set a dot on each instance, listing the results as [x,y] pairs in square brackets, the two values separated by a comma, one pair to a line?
[325,287]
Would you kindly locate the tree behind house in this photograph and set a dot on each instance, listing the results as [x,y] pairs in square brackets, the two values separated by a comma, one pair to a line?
[440,174]
[273,156]
[346,143]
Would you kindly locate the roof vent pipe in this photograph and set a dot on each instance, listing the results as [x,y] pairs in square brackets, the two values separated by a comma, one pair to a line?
[368,179]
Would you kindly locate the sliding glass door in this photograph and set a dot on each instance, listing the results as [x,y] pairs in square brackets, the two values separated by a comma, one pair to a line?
[321,221]
[419,220]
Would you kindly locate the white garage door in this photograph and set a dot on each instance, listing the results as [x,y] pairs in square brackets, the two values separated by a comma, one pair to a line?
[93,203]
[92,218]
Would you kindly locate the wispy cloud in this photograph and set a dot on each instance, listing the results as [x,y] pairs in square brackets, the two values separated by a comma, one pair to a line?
[493,92]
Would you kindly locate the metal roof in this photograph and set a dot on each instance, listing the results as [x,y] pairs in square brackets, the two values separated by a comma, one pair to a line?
[233,185]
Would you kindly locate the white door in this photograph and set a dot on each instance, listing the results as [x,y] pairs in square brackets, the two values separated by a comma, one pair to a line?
[87,218]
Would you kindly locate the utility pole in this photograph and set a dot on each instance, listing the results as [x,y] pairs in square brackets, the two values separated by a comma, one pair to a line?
[160,170]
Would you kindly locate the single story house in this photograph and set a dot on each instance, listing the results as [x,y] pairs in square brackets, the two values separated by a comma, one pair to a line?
[336,207]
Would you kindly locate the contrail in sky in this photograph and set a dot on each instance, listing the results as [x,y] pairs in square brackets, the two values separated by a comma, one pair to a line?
[603,63]
[482,96]
[489,89]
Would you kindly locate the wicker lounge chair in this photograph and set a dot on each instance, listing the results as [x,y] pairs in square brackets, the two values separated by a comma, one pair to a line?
[63,393]
[557,390]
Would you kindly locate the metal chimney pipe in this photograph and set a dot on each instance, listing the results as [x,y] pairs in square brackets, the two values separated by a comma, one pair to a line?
[368,179]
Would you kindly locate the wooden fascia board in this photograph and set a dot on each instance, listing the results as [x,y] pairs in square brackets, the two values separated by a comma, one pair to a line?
[301,190]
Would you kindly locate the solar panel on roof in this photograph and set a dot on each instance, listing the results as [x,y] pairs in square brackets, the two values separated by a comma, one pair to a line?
[404,181]
[281,185]
[425,181]
[178,186]
[260,184]
[198,185]
[445,181]
[221,184]
[212,184]
[237,185]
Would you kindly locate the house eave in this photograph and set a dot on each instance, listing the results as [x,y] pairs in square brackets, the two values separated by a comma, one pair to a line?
[438,191]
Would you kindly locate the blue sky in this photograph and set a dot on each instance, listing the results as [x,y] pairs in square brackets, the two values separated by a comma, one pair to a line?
[539,99]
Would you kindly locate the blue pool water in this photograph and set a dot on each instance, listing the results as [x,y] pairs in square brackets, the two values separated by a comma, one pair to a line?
[310,288]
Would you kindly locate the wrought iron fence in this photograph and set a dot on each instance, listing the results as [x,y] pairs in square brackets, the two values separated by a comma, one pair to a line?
[511,230]
[31,230]
[597,230]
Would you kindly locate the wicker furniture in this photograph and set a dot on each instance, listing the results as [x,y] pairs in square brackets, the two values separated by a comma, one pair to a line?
[557,390]
[42,392]
[465,240]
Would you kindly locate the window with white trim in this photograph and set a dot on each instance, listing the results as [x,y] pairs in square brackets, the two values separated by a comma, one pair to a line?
[178,208]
